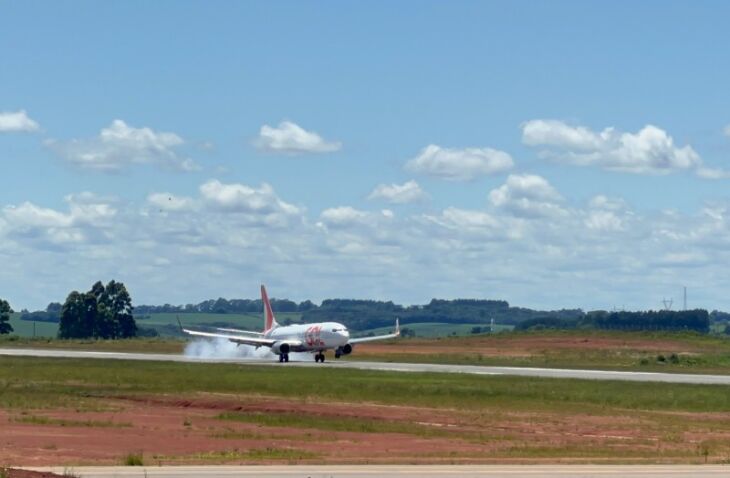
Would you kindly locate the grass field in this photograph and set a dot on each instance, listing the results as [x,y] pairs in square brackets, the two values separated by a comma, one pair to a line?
[25,328]
[435,329]
[166,324]
[643,351]
[461,418]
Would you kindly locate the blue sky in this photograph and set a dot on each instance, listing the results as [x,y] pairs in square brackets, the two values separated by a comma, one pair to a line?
[193,150]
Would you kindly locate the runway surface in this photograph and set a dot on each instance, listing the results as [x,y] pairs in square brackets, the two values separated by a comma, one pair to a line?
[395,471]
[397,367]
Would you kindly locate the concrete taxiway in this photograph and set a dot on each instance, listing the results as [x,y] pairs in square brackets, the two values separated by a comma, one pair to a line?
[395,367]
[396,471]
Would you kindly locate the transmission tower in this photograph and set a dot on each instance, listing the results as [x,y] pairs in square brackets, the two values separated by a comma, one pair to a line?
[668,303]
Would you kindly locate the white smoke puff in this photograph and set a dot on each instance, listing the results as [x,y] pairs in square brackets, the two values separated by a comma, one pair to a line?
[222,348]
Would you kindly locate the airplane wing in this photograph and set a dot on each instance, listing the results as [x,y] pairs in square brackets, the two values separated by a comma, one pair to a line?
[378,337]
[239,339]
[239,331]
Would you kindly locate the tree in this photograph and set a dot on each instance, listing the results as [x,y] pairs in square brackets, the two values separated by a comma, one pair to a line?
[119,303]
[104,312]
[5,311]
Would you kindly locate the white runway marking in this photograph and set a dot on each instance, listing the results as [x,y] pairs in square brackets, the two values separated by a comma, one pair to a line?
[394,367]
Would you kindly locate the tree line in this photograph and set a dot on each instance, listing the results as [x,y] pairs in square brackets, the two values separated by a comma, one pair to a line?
[697,320]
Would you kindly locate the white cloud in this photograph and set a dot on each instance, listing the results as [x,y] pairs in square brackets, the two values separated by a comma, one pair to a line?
[459,164]
[649,151]
[592,255]
[119,146]
[291,138]
[89,208]
[713,173]
[527,195]
[246,199]
[398,193]
[17,121]
[342,215]
[28,214]
[557,133]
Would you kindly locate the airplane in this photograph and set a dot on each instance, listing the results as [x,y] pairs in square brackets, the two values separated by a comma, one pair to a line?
[283,339]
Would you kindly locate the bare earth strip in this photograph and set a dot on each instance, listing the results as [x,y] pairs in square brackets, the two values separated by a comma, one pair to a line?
[489,471]
[172,430]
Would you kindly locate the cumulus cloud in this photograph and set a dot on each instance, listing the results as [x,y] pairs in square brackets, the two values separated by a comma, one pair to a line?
[291,138]
[28,214]
[649,151]
[16,121]
[87,215]
[527,195]
[242,198]
[459,164]
[342,215]
[407,192]
[514,247]
[120,145]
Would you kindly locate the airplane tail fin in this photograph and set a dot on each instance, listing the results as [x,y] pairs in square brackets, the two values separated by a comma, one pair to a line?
[269,319]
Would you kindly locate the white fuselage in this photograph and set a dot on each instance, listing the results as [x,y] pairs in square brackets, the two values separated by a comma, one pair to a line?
[314,337]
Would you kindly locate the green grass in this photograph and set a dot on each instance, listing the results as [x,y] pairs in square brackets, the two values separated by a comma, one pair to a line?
[255,454]
[133,459]
[49,383]
[330,423]
[695,353]
[24,328]
[37,420]
[435,329]
[166,323]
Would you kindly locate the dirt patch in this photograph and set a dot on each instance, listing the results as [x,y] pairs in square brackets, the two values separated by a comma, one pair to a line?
[175,430]
[16,473]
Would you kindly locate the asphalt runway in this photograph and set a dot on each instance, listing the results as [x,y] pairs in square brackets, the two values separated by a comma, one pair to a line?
[395,367]
[396,471]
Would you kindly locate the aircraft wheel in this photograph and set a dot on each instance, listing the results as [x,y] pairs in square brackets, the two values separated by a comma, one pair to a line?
[281,358]
[286,358]
[321,358]
[337,356]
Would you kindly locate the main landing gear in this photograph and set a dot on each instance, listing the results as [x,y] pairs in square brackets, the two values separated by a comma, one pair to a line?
[319,357]
[283,357]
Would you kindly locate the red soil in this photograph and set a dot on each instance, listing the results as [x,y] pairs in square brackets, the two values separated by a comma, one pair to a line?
[172,430]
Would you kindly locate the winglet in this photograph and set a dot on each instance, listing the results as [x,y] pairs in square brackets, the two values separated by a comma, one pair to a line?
[179,323]
[397,327]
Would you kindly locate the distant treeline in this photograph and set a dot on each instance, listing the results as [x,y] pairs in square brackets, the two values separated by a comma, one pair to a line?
[697,320]
[224,306]
[370,314]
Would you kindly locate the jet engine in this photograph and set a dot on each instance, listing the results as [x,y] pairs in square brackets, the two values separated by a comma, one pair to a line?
[344,350]
[280,348]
